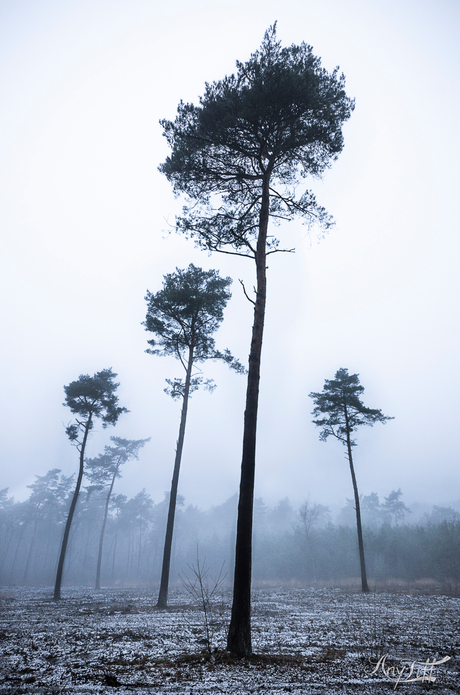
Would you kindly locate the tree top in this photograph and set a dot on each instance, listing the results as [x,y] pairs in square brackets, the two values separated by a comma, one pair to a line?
[186,312]
[339,409]
[279,117]
[94,396]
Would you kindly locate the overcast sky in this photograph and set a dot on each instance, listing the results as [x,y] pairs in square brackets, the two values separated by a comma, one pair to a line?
[85,219]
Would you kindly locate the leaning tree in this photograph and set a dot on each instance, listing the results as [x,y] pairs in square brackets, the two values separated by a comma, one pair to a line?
[238,157]
[89,397]
[339,412]
[184,315]
[103,470]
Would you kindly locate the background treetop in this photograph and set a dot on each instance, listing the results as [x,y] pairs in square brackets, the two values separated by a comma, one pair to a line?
[342,407]
[186,312]
[279,117]
[103,467]
[94,396]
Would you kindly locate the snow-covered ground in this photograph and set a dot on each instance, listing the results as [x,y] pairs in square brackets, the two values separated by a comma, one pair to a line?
[305,641]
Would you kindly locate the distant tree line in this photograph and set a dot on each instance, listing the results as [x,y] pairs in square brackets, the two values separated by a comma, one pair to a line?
[302,546]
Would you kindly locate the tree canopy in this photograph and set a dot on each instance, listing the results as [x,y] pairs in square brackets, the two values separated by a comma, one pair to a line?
[106,466]
[339,410]
[184,315]
[92,396]
[278,119]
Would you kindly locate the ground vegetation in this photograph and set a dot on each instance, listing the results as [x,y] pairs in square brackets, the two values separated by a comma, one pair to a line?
[304,640]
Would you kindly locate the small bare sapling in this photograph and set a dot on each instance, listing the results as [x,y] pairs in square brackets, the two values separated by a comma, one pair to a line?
[204,589]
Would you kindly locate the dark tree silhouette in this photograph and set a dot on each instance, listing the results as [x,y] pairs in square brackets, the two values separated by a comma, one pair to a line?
[183,316]
[88,397]
[339,412]
[104,469]
[238,158]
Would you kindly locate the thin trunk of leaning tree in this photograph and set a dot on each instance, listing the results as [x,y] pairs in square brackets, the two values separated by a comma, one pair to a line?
[163,594]
[65,539]
[239,633]
[101,539]
[364,584]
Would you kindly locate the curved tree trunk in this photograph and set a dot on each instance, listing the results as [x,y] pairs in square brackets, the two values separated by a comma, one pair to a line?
[101,539]
[364,584]
[239,634]
[163,594]
[65,539]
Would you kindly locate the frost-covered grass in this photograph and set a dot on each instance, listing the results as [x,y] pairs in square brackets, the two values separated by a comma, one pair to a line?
[304,640]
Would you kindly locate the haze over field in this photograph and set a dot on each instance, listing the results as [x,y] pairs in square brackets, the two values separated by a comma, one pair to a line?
[86,229]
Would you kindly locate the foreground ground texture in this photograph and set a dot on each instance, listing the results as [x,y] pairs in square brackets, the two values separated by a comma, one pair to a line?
[305,641]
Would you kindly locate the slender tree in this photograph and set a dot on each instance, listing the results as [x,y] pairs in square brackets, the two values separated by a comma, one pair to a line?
[238,157]
[339,412]
[184,315]
[88,397]
[104,469]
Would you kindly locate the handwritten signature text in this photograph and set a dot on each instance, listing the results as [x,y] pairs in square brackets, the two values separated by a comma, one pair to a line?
[407,671]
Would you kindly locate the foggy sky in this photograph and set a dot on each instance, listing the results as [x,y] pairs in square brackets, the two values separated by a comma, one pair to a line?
[86,230]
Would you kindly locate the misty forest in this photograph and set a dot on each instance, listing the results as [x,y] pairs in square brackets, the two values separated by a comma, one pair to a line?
[305,546]
[159,595]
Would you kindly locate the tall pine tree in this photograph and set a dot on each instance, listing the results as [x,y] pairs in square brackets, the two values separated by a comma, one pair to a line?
[238,157]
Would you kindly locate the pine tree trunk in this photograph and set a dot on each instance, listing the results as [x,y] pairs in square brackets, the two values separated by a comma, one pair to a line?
[65,539]
[164,584]
[101,539]
[364,585]
[239,634]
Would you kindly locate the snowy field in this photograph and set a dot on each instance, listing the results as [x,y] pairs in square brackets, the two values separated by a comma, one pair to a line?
[304,641]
